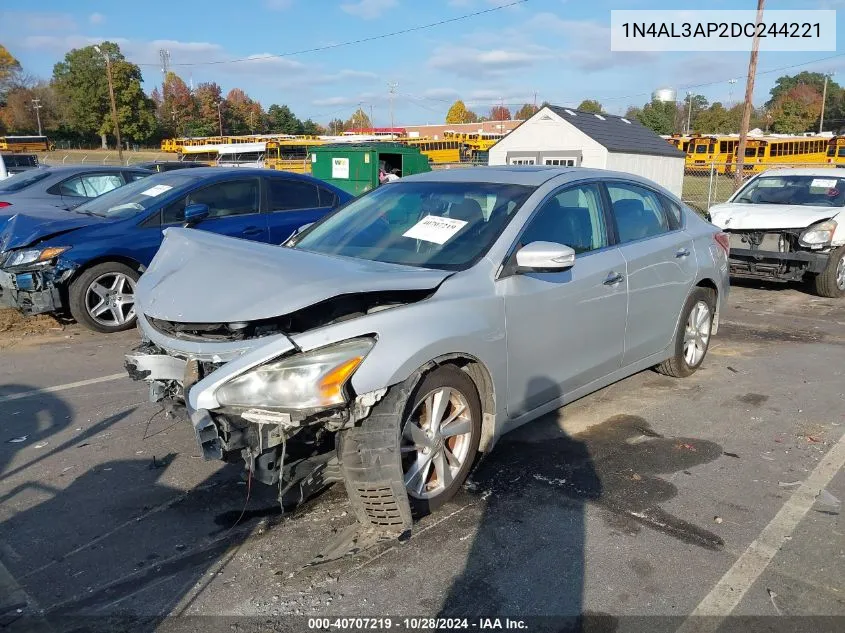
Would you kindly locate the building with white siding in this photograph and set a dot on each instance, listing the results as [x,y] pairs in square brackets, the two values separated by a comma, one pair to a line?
[566,137]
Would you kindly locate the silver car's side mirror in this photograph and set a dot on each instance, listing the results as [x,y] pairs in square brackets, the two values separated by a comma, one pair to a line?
[545,256]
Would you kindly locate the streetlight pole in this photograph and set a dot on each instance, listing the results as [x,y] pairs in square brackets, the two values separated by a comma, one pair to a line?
[113,103]
[36,105]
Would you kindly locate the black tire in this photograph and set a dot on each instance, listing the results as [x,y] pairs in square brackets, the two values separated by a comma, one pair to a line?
[677,365]
[78,296]
[453,378]
[830,282]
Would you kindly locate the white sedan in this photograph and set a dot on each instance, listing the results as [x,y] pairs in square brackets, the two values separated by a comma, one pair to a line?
[788,225]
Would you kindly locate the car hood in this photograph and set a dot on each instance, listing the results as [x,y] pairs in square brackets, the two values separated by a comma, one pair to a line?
[200,277]
[739,216]
[22,229]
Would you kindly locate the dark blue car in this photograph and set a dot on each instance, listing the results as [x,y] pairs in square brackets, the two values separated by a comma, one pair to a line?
[86,261]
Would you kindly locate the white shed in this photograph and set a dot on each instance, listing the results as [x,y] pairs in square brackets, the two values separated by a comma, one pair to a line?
[561,136]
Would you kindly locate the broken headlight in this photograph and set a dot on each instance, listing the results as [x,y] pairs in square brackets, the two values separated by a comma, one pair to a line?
[34,255]
[818,235]
[312,380]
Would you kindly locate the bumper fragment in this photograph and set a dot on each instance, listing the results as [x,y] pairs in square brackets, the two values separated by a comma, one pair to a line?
[790,266]
[29,292]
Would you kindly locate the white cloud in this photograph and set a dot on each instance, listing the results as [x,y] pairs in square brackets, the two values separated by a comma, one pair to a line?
[96,18]
[475,62]
[368,9]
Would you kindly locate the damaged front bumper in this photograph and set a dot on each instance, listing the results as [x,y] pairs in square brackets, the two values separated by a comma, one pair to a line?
[31,292]
[783,266]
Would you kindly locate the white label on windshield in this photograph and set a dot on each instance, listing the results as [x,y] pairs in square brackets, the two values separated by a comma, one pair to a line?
[434,228]
[340,168]
[823,183]
[156,191]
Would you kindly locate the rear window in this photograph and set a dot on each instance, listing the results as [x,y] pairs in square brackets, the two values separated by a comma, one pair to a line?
[23,180]
[20,160]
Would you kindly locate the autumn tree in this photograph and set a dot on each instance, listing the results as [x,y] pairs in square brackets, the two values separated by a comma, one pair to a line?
[591,105]
[241,115]
[358,121]
[207,96]
[797,110]
[458,113]
[18,114]
[500,113]
[525,112]
[9,69]
[177,107]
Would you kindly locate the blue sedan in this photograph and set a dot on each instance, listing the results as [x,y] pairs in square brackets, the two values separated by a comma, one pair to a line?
[87,261]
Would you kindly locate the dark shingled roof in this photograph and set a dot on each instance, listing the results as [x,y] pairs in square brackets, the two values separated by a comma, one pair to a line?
[615,134]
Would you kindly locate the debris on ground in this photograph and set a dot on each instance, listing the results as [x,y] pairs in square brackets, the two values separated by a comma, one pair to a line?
[788,484]
[827,499]
[13,325]
[686,447]
[772,596]
[729,454]
[718,519]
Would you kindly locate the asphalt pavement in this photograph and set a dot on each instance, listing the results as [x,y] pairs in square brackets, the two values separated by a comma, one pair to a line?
[655,504]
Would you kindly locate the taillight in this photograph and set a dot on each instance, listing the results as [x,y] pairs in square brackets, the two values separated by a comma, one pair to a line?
[724,241]
[5,204]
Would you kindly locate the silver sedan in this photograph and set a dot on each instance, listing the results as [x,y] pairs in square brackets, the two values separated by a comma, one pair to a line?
[391,343]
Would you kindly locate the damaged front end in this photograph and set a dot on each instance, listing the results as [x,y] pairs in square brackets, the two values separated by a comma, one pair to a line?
[781,255]
[34,288]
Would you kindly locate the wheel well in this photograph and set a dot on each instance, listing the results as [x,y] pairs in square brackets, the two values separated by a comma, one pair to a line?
[480,375]
[711,285]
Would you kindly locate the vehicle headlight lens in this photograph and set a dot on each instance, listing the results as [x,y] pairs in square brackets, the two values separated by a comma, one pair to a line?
[819,234]
[312,380]
[34,255]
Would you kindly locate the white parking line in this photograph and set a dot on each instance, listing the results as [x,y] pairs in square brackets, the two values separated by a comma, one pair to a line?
[70,385]
[728,592]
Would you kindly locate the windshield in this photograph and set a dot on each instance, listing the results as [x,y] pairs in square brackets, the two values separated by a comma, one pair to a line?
[136,197]
[810,191]
[23,180]
[426,224]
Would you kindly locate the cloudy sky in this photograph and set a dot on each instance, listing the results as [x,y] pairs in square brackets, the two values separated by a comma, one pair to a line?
[556,49]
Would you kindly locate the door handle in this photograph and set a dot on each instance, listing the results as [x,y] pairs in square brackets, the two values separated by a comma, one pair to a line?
[613,278]
[683,252]
[252,230]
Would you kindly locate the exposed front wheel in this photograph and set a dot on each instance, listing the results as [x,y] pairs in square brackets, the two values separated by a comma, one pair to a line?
[440,430]
[692,338]
[102,298]
[831,282]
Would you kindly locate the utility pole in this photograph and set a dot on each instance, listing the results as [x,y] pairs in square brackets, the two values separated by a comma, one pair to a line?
[113,103]
[689,111]
[164,56]
[391,86]
[220,119]
[372,121]
[824,99]
[749,96]
[731,83]
[36,105]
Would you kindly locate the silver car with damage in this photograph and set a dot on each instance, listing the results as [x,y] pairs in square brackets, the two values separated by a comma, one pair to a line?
[390,344]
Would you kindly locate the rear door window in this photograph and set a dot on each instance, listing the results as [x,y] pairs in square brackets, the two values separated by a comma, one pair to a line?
[290,195]
[638,212]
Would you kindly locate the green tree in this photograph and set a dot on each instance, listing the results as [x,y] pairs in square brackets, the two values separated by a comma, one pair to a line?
[659,116]
[358,121]
[81,85]
[525,112]
[458,113]
[311,128]
[591,105]
[280,119]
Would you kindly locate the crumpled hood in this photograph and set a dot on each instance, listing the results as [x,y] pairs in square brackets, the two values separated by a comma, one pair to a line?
[22,229]
[200,277]
[740,216]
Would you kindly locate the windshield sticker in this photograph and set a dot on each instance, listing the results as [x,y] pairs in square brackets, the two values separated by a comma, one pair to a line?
[770,182]
[435,229]
[156,191]
[823,183]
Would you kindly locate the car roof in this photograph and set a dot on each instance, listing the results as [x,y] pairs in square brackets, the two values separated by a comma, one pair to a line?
[805,171]
[223,172]
[531,175]
[84,169]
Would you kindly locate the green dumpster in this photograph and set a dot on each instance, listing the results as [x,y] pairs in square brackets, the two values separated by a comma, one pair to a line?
[354,167]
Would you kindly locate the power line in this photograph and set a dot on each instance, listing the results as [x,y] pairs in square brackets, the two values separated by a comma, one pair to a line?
[362,40]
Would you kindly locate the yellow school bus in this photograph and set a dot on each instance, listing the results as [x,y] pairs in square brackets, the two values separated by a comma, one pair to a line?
[291,154]
[771,152]
[703,151]
[445,151]
[26,144]
[835,156]
[680,141]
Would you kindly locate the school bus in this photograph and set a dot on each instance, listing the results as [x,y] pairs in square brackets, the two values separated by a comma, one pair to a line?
[836,151]
[474,146]
[291,154]
[702,151]
[446,151]
[26,144]
[680,141]
[765,153]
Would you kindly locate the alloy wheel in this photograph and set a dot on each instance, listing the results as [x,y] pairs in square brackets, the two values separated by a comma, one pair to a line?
[435,442]
[110,299]
[840,273]
[697,333]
